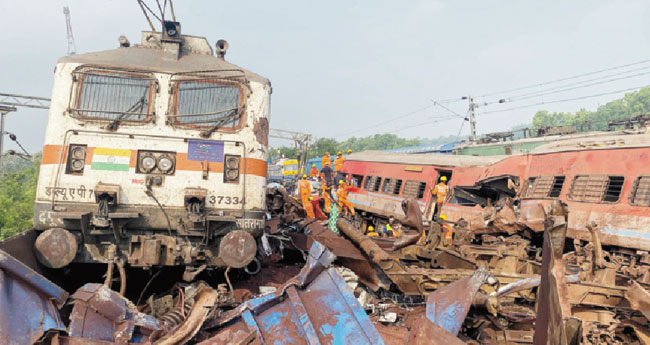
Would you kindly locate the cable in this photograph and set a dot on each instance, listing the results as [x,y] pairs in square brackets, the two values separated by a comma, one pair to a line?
[563,100]
[387,121]
[567,78]
[442,119]
[577,83]
[449,110]
[575,87]
[146,15]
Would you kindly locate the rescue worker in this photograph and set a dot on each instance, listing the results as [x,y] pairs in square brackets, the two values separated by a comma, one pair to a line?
[305,193]
[392,228]
[349,151]
[327,172]
[326,161]
[447,232]
[440,192]
[371,232]
[313,172]
[327,198]
[344,204]
[338,162]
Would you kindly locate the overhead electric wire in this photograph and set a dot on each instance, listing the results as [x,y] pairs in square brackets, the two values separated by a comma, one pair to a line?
[574,88]
[563,100]
[387,121]
[449,110]
[441,119]
[564,79]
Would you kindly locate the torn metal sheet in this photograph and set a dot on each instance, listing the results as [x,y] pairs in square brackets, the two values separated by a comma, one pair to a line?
[29,303]
[639,299]
[316,307]
[448,306]
[101,314]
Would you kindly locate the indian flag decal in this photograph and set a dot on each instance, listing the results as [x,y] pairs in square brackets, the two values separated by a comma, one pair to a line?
[110,159]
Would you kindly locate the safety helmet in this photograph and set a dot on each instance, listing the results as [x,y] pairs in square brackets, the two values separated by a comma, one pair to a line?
[371,228]
[443,217]
[311,198]
[349,150]
[339,153]
[341,182]
[314,165]
[327,153]
[444,178]
[304,176]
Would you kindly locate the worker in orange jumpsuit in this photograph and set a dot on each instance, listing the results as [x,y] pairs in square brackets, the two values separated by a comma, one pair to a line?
[326,160]
[313,172]
[327,198]
[338,162]
[305,192]
[447,232]
[344,204]
[371,232]
[440,193]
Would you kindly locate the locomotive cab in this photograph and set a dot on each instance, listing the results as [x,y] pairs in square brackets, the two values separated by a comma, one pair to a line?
[155,154]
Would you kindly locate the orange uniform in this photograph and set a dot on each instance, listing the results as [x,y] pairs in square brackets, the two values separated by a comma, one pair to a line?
[338,163]
[313,172]
[326,160]
[326,198]
[305,192]
[440,192]
[344,203]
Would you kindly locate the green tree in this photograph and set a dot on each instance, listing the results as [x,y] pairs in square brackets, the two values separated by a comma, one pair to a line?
[17,191]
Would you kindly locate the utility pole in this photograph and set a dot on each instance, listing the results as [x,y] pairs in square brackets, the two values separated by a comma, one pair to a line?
[3,111]
[472,116]
[72,49]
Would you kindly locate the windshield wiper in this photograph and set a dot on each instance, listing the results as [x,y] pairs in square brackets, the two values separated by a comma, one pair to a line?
[137,106]
[220,122]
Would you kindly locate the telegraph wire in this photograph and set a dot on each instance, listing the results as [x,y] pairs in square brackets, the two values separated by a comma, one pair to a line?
[565,79]
[440,119]
[387,121]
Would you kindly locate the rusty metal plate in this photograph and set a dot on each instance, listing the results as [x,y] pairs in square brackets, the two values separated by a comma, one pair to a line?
[56,248]
[237,249]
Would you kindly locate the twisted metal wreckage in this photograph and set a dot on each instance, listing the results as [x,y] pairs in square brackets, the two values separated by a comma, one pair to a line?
[482,288]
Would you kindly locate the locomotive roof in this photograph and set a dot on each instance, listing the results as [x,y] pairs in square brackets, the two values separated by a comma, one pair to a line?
[195,54]
[424,159]
[616,141]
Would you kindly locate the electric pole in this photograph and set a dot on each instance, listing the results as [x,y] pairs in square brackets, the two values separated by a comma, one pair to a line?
[72,49]
[472,116]
[3,111]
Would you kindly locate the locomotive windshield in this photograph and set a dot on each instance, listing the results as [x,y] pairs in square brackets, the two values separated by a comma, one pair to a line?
[207,104]
[113,95]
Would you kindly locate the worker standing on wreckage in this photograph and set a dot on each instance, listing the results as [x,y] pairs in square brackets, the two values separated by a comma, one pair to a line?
[313,173]
[345,205]
[440,192]
[338,162]
[305,193]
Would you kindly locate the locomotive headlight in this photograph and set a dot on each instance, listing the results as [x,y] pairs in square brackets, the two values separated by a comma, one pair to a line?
[76,159]
[147,163]
[165,164]
[231,169]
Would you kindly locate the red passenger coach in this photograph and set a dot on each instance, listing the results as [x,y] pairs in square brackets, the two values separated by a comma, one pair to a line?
[383,180]
[604,182]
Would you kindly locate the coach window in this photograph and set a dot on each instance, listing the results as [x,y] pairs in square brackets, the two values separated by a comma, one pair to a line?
[640,195]
[112,95]
[356,180]
[596,188]
[387,184]
[376,184]
[209,104]
[414,189]
[367,182]
[548,186]
[397,187]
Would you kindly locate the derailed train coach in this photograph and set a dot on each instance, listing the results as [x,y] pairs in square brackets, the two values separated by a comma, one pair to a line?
[154,154]
[604,181]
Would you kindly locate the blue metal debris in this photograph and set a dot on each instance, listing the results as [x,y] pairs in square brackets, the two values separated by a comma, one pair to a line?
[315,307]
[29,303]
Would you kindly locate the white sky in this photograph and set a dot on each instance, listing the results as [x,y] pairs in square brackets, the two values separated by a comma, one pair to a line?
[340,66]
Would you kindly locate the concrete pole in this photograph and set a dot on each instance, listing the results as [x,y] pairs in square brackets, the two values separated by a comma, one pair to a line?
[472,118]
[3,112]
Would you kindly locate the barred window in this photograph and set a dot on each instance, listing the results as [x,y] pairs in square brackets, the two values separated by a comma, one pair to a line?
[113,95]
[377,184]
[397,187]
[207,103]
[385,187]
[596,188]
[366,182]
[640,195]
[548,186]
[414,189]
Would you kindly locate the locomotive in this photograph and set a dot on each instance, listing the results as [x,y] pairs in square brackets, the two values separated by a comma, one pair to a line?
[155,155]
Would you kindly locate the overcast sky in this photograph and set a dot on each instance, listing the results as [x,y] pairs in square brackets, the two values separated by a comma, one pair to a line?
[338,67]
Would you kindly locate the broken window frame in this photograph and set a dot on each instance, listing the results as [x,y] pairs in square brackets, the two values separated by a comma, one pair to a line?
[357,180]
[600,185]
[544,187]
[225,78]
[641,183]
[79,79]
